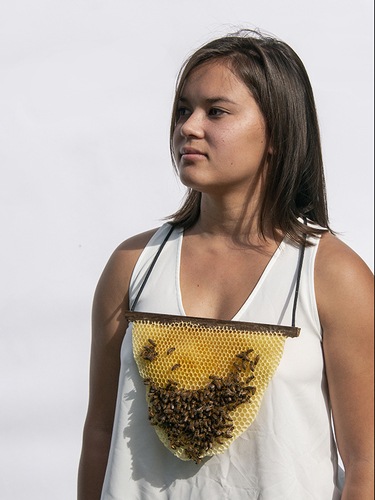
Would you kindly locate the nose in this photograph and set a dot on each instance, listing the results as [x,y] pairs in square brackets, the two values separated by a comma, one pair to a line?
[192,126]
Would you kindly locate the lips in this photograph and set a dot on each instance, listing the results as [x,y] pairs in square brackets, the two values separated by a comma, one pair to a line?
[189,151]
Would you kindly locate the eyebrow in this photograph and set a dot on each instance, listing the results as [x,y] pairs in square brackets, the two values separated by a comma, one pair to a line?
[209,100]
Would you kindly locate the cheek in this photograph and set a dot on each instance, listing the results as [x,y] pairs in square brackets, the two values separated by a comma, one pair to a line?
[257,136]
[175,142]
[249,132]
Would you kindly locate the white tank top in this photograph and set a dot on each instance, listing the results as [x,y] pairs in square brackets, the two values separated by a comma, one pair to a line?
[288,453]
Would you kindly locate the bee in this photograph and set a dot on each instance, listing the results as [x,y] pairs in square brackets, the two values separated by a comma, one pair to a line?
[171,383]
[174,367]
[149,353]
[152,342]
[170,350]
[243,356]
[237,367]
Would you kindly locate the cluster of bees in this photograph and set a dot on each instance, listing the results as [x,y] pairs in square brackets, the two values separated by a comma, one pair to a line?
[149,351]
[197,420]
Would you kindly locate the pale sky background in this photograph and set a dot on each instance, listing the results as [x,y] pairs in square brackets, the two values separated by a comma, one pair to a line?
[85,97]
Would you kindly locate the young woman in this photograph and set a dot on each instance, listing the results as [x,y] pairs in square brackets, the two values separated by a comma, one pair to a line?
[245,141]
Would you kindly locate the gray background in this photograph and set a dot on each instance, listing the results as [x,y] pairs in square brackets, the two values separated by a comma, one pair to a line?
[85,96]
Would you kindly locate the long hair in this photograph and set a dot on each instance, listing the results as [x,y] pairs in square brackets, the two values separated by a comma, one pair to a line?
[294,185]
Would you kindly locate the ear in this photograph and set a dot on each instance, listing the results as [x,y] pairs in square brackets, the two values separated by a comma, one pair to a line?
[269,146]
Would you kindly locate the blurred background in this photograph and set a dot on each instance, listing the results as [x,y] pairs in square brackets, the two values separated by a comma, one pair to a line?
[85,96]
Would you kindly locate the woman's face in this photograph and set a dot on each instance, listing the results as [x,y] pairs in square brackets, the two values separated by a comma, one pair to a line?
[220,136]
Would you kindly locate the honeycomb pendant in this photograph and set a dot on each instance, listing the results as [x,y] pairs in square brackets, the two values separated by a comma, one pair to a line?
[204,378]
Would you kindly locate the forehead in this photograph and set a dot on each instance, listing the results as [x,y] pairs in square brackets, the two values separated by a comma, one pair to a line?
[213,77]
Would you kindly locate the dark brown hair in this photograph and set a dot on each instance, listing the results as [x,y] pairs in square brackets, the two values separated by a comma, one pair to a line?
[294,185]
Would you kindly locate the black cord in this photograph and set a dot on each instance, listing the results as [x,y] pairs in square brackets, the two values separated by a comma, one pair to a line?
[299,272]
[151,268]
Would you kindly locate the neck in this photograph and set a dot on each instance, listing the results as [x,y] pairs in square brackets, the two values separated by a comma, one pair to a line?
[230,219]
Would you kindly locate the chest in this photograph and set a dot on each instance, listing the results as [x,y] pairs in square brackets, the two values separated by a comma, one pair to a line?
[216,282]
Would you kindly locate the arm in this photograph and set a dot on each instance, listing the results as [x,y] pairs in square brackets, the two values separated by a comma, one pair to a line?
[108,328]
[344,290]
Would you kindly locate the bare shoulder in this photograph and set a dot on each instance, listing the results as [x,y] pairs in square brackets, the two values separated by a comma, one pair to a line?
[337,261]
[343,281]
[129,250]
[114,282]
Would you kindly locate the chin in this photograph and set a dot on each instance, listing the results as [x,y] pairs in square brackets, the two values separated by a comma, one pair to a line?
[194,180]
[191,183]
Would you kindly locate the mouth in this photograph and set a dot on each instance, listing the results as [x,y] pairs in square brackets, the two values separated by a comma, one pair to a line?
[188,152]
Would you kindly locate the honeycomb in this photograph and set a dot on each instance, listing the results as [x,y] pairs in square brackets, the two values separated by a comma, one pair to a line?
[204,378]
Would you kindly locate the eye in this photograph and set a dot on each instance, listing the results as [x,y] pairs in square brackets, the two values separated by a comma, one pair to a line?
[216,112]
[182,111]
